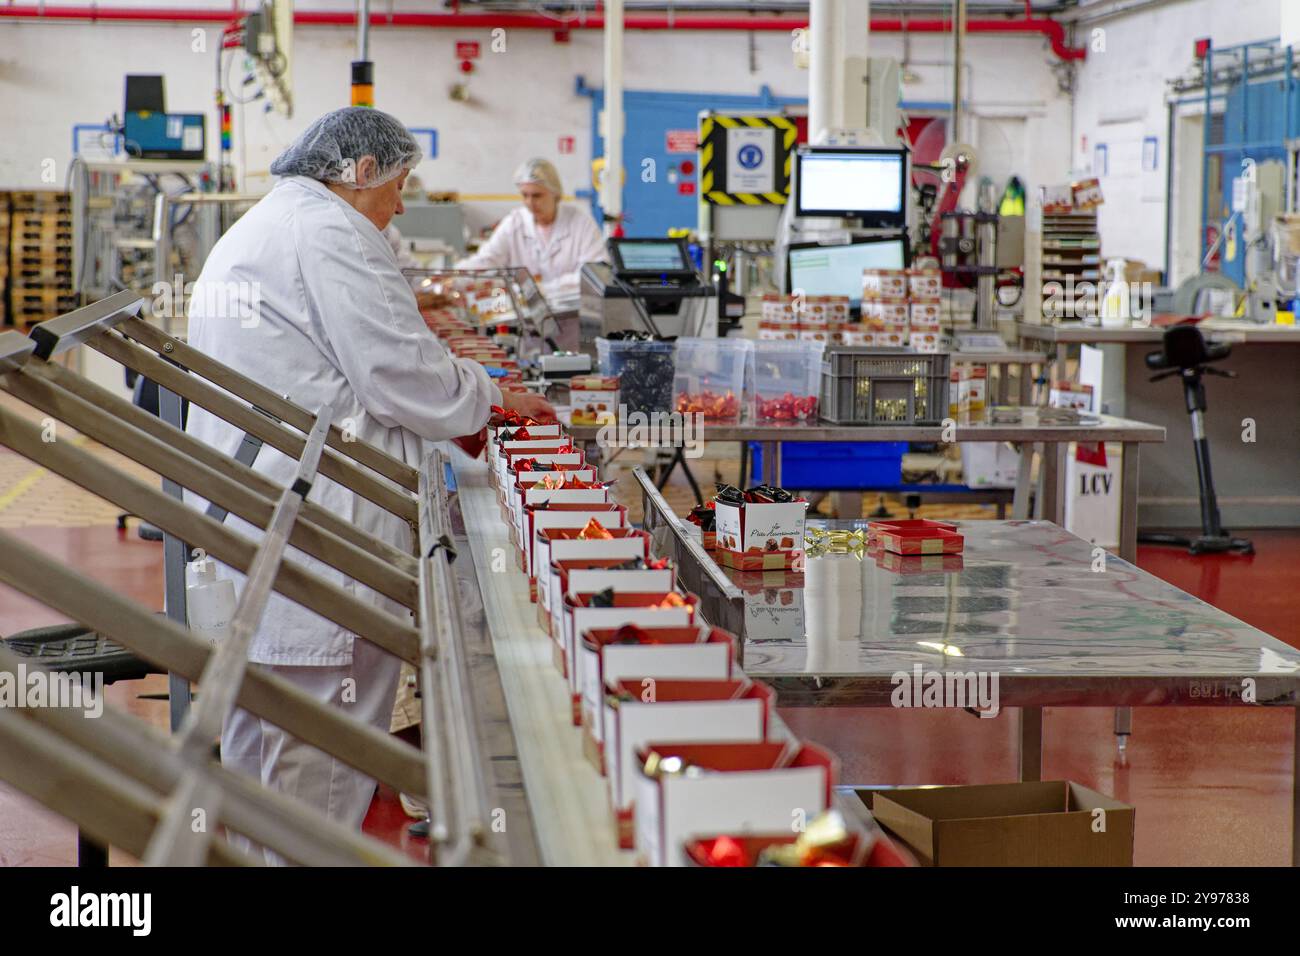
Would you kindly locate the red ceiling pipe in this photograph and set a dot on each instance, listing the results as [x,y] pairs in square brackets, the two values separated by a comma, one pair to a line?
[1054,31]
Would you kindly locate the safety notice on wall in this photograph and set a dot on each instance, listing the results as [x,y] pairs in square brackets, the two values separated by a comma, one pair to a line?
[681,140]
[751,166]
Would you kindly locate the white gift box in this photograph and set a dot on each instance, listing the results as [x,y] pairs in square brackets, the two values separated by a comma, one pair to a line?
[646,710]
[731,788]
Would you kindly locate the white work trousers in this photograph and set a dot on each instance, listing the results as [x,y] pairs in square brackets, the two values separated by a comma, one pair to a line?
[260,749]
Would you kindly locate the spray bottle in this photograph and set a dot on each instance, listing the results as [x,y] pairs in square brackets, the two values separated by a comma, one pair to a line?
[1115,304]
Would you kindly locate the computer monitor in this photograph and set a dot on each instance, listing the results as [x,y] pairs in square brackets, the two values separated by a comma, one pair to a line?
[837,270]
[650,257]
[852,183]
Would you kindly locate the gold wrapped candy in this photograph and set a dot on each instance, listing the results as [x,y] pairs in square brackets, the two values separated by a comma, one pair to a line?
[835,541]
[825,842]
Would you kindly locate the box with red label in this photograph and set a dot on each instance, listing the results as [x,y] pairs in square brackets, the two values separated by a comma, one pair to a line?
[906,524]
[812,335]
[534,431]
[557,544]
[644,711]
[972,396]
[857,335]
[774,603]
[508,450]
[545,464]
[688,790]
[1087,193]
[594,399]
[779,309]
[591,576]
[539,496]
[924,283]
[581,614]
[1070,395]
[892,340]
[759,536]
[924,315]
[919,540]
[772,332]
[885,314]
[925,341]
[884,283]
[575,516]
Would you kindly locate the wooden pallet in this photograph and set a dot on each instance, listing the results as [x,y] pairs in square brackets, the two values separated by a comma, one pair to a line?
[39,199]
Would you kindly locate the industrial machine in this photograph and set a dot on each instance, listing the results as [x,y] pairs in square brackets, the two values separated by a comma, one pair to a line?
[149,132]
[648,285]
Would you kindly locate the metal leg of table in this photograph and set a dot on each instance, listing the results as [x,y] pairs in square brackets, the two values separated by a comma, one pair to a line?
[1128,502]
[175,557]
[1024,475]
[1053,482]
[1031,744]
[1295,791]
[772,464]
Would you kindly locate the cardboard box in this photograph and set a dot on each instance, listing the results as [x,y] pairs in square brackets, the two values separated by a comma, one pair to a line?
[536,496]
[928,342]
[924,283]
[886,314]
[594,400]
[761,787]
[629,608]
[646,710]
[590,576]
[563,516]
[555,544]
[672,653]
[920,541]
[888,283]
[924,315]
[1052,823]
[769,535]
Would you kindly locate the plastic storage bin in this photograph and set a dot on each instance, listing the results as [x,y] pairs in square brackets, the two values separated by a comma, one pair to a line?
[644,370]
[786,379]
[711,378]
[884,387]
[836,466]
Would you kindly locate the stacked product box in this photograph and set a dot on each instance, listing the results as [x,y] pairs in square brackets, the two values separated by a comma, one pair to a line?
[968,392]
[806,318]
[900,309]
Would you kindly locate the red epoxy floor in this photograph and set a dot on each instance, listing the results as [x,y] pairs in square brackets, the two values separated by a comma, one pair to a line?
[1211,787]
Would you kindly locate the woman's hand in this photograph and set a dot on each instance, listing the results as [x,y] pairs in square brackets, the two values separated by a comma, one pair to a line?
[529,404]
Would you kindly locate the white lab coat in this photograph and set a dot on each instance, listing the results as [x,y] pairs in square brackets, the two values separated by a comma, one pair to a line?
[336,323]
[574,240]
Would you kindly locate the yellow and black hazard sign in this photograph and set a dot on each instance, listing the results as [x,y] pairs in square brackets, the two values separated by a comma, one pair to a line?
[745,160]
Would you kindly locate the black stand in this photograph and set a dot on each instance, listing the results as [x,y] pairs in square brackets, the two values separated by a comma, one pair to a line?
[1213,539]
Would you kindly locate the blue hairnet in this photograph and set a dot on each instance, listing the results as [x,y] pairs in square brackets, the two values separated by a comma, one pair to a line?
[331,148]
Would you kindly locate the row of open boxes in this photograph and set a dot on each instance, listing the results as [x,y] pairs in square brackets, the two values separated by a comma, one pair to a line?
[664,709]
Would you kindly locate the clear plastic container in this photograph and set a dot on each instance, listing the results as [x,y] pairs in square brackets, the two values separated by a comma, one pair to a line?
[711,378]
[787,381]
[644,370]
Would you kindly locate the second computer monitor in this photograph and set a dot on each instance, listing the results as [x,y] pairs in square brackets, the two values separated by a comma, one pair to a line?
[837,270]
[869,185]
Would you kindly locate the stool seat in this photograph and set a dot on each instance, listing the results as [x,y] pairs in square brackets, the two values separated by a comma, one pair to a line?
[74,647]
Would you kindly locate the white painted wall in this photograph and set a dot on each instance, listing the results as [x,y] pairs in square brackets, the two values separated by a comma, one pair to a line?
[55,74]
[1120,100]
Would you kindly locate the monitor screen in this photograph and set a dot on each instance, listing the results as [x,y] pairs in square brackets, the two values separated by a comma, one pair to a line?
[837,270]
[868,184]
[650,256]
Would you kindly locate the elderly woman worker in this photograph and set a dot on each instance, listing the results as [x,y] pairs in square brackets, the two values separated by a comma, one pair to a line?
[326,317]
[548,239]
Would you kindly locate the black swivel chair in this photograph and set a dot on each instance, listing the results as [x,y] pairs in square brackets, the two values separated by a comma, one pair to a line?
[1185,353]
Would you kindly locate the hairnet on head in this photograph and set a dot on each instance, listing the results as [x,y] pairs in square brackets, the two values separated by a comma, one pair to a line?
[332,147]
[541,172]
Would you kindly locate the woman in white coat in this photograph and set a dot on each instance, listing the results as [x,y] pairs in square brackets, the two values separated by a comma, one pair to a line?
[549,239]
[304,296]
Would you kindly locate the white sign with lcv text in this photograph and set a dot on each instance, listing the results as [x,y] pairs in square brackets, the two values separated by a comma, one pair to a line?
[750,160]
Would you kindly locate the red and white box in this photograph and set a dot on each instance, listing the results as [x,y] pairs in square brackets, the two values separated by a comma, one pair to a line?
[779,309]
[609,515]
[644,711]
[1065,394]
[884,283]
[591,575]
[561,544]
[924,315]
[916,563]
[594,399]
[925,341]
[775,332]
[892,340]
[857,336]
[509,450]
[562,462]
[641,609]
[924,283]
[907,524]
[885,313]
[759,536]
[919,540]
[536,496]
[729,788]
[812,335]
[609,655]
[534,431]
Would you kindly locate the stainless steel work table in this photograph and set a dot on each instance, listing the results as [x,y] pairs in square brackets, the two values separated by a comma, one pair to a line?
[1054,439]
[1025,601]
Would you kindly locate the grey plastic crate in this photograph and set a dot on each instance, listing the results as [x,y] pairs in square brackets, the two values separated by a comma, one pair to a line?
[865,386]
